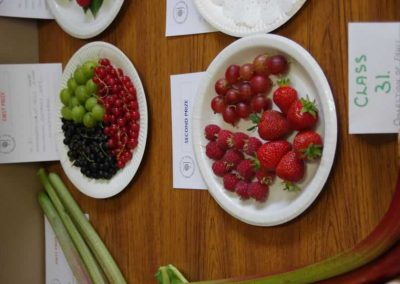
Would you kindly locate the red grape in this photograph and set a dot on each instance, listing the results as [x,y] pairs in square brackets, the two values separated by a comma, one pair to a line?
[218,104]
[243,110]
[232,73]
[229,115]
[277,64]
[260,84]
[260,103]
[246,71]
[246,92]
[260,65]
[232,96]
[222,86]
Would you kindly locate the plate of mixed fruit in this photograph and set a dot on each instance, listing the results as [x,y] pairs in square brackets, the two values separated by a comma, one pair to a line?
[102,130]
[265,129]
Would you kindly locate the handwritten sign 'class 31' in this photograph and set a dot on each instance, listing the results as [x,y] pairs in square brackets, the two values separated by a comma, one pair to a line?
[374,78]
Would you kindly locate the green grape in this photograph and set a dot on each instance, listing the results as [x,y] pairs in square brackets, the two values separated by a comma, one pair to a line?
[90,103]
[66,113]
[72,84]
[82,94]
[98,112]
[73,102]
[79,76]
[88,69]
[77,113]
[65,96]
[88,120]
[91,87]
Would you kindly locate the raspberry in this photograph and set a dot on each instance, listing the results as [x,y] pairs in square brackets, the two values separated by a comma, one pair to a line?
[246,169]
[258,191]
[242,189]
[213,151]
[211,132]
[265,177]
[219,168]
[223,137]
[230,181]
[252,145]
[238,140]
[232,158]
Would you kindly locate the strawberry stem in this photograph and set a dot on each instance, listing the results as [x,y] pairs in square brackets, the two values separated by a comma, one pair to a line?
[309,106]
[312,152]
[290,186]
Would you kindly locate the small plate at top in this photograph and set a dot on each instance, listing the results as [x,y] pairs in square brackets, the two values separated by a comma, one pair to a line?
[308,79]
[241,18]
[101,188]
[74,21]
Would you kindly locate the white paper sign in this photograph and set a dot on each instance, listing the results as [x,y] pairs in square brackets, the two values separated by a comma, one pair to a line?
[25,9]
[28,94]
[184,19]
[186,173]
[374,77]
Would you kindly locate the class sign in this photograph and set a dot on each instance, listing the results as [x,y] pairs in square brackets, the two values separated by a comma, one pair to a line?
[374,77]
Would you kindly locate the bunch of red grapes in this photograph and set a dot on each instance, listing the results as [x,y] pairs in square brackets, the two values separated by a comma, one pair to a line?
[121,119]
[244,88]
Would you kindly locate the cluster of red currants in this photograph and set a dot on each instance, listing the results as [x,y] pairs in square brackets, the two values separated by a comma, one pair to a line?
[244,88]
[121,119]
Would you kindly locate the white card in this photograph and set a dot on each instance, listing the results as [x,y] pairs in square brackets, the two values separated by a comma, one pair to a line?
[374,77]
[184,19]
[186,173]
[25,9]
[28,94]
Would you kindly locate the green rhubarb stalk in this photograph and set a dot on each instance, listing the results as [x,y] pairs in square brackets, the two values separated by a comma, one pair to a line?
[380,240]
[95,243]
[71,254]
[84,251]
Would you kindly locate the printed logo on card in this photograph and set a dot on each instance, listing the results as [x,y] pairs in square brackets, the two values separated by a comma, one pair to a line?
[186,166]
[7,144]
[181,12]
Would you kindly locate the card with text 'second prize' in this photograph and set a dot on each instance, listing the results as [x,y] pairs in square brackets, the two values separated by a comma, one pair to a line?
[374,78]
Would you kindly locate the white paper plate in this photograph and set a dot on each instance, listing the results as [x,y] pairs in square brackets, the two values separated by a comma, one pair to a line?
[280,14]
[93,187]
[72,19]
[307,77]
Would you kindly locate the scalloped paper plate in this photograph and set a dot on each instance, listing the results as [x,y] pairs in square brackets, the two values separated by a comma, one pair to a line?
[281,11]
[72,19]
[308,79]
[93,187]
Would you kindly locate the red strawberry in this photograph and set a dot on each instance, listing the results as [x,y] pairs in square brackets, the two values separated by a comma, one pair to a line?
[242,189]
[308,145]
[247,169]
[230,181]
[251,146]
[224,136]
[232,158]
[273,125]
[211,132]
[284,96]
[265,177]
[219,168]
[272,152]
[84,3]
[258,191]
[303,114]
[290,169]
[213,151]
[238,140]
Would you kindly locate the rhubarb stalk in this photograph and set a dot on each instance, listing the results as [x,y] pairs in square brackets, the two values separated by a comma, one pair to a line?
[71,254]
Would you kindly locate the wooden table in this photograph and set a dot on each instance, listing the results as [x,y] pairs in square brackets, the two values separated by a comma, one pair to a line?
[150,224]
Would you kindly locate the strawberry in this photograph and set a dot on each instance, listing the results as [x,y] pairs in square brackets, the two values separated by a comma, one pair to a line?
[219,168]
[291,170]
[242,189]
[258,191]
[303,114]
[84,3]
[251,146]
[232,158]
[247,169]
[284,96]
[230,181]
[272,152]
[224,136]
[273,125]
[211,132]
[213,151]
[308,145]
[265,177]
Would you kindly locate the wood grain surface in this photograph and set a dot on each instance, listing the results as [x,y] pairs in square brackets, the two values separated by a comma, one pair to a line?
[150,224]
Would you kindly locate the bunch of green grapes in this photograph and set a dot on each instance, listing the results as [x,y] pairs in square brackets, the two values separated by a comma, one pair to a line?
[79,98]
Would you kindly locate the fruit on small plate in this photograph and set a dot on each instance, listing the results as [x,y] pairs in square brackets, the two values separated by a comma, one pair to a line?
[102,135]
[309,82]
[90,5]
